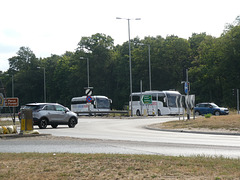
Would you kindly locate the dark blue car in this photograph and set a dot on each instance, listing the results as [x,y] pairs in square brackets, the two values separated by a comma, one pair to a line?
[210,108]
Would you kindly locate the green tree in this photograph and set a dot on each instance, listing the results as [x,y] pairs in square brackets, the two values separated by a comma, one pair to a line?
[26,76]
[205,75]
[99,50]
[25,60]
[230,64]
[175,58]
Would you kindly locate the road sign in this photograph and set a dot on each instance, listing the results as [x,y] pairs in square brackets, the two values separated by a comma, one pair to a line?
[88,92]
[11,102]
[147,99]
[186,87]
[8,102]
[89,99]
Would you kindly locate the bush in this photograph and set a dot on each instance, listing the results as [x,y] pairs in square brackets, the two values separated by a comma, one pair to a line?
[208,115]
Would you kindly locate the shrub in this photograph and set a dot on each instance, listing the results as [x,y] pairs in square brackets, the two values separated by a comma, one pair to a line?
[208,115]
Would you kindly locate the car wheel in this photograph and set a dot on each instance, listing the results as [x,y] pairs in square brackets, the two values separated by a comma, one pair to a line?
[138,113]
[217,113]
[159,113]
[71,123]
[43,124]
[197,113]
[54,125]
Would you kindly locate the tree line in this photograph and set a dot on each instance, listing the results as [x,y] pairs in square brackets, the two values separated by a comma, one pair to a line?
[213,68]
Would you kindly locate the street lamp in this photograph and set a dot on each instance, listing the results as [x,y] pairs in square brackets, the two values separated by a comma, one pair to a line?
[12,84]
[87,69]
[149,65]
[44,82]
[130,61]
[12,96]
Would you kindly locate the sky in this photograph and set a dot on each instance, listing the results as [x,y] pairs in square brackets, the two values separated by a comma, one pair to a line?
[56,26]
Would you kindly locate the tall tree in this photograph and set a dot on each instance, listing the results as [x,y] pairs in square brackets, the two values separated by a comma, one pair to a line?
[206,79]
[27,77]
[24,60]
[176,53]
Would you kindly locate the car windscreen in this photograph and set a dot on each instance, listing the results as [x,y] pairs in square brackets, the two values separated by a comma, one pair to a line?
[214,105]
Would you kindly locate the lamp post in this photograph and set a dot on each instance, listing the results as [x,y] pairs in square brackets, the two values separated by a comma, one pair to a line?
[149,65]
[44,82]
[12,84]
[12,97]
[87,69]
[130,61]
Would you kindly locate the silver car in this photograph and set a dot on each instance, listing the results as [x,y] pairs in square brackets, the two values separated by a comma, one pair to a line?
[51,114]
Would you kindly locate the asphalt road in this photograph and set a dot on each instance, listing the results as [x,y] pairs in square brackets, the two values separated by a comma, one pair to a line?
[124,136]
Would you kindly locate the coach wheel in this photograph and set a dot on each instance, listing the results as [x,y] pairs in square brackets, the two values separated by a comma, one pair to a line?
[138,113]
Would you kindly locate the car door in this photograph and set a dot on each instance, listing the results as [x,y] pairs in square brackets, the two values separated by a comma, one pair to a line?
[50,112]
[204,108]
[208,108]
[61,115]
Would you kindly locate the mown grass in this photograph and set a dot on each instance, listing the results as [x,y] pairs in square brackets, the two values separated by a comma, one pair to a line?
[229,122]
[109,166]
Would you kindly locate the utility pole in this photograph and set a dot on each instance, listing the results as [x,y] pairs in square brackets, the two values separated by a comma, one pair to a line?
[238,101]
[187,86]
[235,92]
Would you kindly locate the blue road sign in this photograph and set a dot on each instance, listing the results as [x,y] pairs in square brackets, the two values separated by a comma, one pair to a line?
[186,87]
[89,99]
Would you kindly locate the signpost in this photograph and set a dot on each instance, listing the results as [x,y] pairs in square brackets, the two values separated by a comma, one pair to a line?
[186,88]
[147,99]
[89,99]
[8,102]
[11,102]
[88,92]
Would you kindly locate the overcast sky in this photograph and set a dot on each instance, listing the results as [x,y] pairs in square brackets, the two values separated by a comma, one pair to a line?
[56,26]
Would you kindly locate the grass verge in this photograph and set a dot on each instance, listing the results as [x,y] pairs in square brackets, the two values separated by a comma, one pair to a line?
[229,123]
[108,166]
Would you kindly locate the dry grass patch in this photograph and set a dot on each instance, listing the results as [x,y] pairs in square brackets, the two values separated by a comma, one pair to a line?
[105,166]
[229,123]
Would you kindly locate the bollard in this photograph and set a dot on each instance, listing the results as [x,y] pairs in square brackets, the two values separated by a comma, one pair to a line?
[26,121]
[145,114]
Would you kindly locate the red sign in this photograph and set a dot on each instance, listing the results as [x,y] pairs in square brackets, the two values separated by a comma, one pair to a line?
[89,99]
[11,102]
